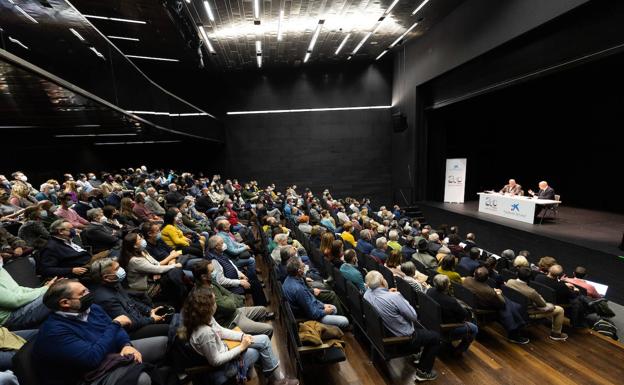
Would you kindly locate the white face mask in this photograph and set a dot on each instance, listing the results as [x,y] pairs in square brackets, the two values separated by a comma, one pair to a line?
[224,247]
[23,178]
[103,219]
[1,262]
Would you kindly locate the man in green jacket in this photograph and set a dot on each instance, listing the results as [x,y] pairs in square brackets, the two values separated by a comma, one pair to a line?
[21,307]
[230,310]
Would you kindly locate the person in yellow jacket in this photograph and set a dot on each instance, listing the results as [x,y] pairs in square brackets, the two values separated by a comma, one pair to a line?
[346,235]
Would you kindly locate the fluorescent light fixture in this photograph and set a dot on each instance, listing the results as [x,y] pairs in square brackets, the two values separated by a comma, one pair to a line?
[169,114]
[123,38]
[202,31]
[259,60]
[279,25]
[152,58]
[115,19]
[258,46]
[381,54]
[87,125]
[403,35]
[307,56]
[90,135]
[420,7]
[26,15]
[78,35]
[257,9]
[208,10]
[14,127]
[344,41]
[15,41]
[395,2]
[259,53]
[308,110]
[98,53]
[316,34]
[381,19]
[357,48]
[145,142]
[350,56]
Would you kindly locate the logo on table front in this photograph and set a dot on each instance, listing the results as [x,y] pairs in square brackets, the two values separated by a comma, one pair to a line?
[515,207]
[491,202]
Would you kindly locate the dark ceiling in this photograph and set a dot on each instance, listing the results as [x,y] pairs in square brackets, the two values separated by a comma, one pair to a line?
[55,39]
[234,30]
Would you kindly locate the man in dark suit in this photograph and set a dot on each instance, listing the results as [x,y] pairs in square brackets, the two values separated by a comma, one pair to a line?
[61,257]
[545,191]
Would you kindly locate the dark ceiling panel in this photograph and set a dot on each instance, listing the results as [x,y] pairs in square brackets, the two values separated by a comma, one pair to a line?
[234,31]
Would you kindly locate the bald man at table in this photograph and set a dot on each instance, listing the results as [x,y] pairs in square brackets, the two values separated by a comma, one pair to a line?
[545,191]
[512,188]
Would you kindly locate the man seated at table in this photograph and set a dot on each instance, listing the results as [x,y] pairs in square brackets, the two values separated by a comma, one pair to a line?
[545,191]
[512,188]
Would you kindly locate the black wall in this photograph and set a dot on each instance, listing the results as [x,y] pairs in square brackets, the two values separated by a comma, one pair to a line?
[559,128]
[474,28]
[346,151]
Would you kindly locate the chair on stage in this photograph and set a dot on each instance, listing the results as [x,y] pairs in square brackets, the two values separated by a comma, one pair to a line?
[554,208]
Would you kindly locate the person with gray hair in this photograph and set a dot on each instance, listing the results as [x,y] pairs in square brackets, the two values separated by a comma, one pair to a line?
[379,252]
[436,246]
[282,241]
[453,312]
[151,202]
[393,240]
[98,236]
[398,317]
[364,244]
[108,292]
[61,257]
[303,302]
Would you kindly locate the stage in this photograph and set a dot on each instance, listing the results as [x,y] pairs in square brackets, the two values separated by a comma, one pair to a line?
[576,237]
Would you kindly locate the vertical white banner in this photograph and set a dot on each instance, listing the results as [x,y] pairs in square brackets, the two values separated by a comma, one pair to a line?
[455,181]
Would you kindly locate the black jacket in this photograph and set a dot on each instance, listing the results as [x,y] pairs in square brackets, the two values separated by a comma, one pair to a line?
[452,311]
[549,193]
[115,301]
[58,259]
[99,237]
[81,209]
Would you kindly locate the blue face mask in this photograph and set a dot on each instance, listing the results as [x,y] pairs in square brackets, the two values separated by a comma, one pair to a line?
[72,233]
[143,244]
[213,275]
[43,214]
[159,236]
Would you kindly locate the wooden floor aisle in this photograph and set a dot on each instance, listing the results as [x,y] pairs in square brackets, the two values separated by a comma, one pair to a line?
[585,358]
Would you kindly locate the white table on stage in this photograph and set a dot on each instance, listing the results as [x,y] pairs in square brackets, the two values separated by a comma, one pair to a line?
[518,208]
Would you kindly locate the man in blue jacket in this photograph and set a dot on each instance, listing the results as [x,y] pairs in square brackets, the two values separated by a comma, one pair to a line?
[78,336]
[303,302]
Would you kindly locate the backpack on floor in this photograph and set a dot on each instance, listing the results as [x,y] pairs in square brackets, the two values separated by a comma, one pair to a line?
[606,328]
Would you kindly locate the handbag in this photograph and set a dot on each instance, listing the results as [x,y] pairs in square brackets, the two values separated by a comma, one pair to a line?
[231,344]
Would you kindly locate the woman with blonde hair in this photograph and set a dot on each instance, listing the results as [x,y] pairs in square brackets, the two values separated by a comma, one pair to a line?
[20,196]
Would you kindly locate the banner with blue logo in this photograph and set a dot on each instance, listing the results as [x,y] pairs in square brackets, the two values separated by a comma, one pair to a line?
[455,182]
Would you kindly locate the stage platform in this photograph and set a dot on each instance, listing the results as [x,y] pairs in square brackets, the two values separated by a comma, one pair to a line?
[575,237]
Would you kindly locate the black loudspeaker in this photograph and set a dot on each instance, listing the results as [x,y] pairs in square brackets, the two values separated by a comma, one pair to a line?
[399,122]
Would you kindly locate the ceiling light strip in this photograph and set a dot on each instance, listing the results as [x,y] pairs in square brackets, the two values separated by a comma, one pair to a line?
[357,48]
[279,25]
[90,135]
[420,7]
[152,58]
[381,54]
[169,114]
[144,142]
[394,3]
[77,34]
[15,41]
[403,35]
[98,53]
[204,35]
[344,41]
[209,11]
[257,9]
[308,110]
[26,15]
[115,19]
[123,38]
